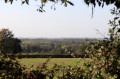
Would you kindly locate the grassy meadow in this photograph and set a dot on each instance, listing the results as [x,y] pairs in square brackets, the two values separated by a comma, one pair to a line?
[28,62]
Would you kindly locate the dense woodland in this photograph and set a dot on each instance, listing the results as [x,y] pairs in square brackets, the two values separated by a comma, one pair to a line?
[55,46]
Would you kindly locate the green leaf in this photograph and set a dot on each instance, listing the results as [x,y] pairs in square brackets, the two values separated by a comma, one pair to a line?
[43,1]
[65,4]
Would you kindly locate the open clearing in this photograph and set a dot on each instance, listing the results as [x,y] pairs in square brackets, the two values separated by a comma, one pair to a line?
[60,61]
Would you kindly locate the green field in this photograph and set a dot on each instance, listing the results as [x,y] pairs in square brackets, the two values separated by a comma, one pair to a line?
[60,61]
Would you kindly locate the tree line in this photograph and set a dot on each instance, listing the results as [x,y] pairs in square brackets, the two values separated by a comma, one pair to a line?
[55,46]
[11,45]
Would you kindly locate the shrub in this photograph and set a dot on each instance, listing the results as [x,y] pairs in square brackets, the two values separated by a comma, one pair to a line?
[10,68]
[106,53]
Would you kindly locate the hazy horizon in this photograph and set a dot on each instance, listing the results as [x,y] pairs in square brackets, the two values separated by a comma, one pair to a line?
[58,38]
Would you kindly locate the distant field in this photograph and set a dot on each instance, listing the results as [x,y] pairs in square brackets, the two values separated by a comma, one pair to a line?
[60,61]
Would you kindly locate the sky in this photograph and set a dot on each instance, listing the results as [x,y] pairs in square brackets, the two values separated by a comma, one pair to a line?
[64,22]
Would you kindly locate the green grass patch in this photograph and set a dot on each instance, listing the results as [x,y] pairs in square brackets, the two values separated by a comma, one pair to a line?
[60,61]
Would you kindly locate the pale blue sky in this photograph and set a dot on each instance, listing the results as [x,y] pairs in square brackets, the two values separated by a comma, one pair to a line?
[72,21]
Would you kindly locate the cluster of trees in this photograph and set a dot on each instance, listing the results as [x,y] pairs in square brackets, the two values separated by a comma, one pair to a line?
[9,44]
[55,46]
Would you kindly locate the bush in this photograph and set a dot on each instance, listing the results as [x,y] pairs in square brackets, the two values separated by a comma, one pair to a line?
[10,68]
[106,54]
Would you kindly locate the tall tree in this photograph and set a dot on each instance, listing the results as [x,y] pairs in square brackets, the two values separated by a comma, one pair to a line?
[9,44]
